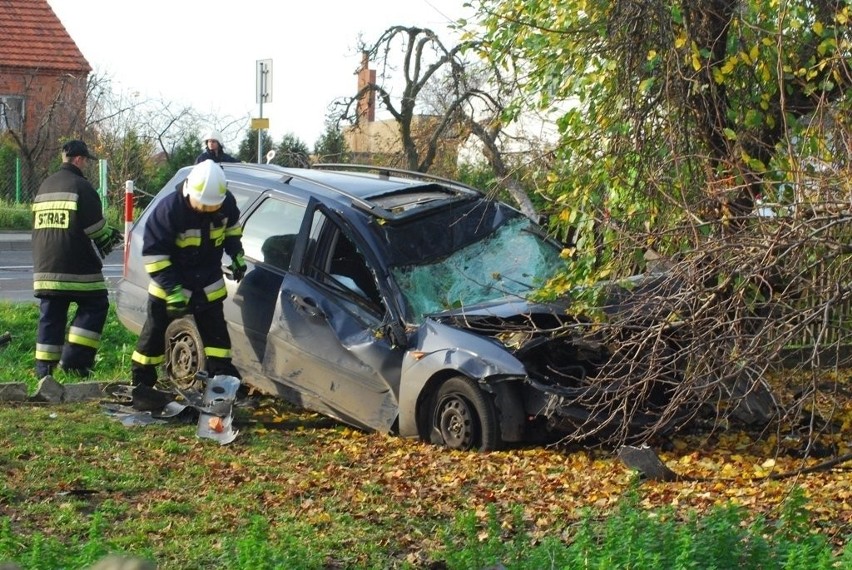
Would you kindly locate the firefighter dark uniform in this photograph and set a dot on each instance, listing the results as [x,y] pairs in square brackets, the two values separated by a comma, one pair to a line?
[216,156]
[215,152]
[182,252]
[67,219]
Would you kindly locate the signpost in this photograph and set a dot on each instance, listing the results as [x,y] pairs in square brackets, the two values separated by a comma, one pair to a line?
[264,95]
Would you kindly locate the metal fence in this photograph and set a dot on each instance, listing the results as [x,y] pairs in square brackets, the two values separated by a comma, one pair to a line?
[819,320]
[15,186]
[18,188]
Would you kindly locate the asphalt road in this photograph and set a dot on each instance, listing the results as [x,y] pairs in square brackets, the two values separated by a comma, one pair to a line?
[16,268]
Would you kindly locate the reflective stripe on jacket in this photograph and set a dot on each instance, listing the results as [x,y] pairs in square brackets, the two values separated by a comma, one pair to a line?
[184,247]
[66,214]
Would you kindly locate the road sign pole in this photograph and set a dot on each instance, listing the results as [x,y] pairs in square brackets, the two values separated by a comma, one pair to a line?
[263,84]
[260,83]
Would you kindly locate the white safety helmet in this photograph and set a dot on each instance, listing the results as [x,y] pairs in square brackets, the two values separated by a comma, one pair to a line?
[211,135]
[206,183]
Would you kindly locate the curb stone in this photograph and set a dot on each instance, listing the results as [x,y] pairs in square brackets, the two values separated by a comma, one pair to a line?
[15,240]
[51,392]
[13,392]
[14,246]
[84,391]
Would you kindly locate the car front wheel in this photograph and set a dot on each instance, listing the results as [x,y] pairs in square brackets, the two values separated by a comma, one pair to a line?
[184,353]
[463,417]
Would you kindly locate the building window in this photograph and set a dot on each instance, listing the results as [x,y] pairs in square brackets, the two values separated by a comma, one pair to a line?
[11,113]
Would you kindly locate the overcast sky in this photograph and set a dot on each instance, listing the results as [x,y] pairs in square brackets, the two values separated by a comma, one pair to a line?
[204,54]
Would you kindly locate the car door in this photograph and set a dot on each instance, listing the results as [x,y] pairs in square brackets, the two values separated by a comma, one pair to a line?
[329,339]
[269,236]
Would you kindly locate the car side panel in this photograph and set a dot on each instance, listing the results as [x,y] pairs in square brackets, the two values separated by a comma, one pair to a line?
[243,308]
[321,346]
[131,295]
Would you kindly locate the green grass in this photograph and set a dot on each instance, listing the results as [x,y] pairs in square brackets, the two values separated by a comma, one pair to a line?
[21,320]
[78,486]
[632,537]
[266,504]
[15,216]
[298,490]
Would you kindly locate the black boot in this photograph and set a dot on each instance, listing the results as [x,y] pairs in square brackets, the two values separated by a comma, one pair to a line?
[144,376]
[44,368]
[147,399]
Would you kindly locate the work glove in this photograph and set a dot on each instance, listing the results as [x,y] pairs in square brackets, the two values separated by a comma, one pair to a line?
[238,267]
[177,305]
[107,241]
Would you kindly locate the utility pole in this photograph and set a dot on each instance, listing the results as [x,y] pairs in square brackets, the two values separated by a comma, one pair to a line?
[264,95]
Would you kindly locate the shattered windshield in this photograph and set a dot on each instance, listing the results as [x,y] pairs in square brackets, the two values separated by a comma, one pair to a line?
[513,261]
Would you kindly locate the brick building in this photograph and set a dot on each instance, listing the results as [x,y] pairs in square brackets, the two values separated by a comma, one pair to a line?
[43,80]
[374,141]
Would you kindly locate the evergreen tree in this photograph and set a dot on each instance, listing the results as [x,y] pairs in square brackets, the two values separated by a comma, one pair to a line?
[292,152]
[331,146]
[248,146]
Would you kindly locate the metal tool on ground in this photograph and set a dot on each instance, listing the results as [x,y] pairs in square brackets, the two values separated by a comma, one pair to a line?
[143,405]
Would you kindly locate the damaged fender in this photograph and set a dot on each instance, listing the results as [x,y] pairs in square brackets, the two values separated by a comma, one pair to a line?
[429,357]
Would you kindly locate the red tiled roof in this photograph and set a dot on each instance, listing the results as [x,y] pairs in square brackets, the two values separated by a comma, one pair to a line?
[32,36]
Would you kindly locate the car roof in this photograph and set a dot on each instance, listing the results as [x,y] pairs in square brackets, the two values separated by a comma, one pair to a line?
[387,193]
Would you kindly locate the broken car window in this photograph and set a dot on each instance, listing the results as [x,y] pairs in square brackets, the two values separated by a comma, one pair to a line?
[511,261]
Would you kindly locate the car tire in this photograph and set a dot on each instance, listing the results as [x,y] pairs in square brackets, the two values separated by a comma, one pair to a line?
[184,354]
[464,417]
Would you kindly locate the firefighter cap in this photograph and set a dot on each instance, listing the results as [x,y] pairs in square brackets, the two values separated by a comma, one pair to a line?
[77,148]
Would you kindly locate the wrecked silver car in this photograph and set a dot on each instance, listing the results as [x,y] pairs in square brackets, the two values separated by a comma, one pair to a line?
[392,301]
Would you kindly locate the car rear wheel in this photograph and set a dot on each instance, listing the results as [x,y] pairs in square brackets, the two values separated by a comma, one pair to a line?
[184,353]
[464,417]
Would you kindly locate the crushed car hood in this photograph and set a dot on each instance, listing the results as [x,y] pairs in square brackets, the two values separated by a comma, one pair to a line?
[519,325]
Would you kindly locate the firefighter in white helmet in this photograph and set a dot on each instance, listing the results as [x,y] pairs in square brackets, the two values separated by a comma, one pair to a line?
[184,238]
[211,142]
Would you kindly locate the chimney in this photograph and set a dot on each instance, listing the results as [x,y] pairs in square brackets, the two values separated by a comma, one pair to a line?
[367,99]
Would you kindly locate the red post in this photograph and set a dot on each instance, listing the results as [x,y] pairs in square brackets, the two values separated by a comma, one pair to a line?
[128,219]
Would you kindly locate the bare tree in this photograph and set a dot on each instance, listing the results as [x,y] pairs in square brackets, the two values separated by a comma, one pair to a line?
[445,100]
[424,55]
[141,137]
[481,115]
[136,136]
[39,146]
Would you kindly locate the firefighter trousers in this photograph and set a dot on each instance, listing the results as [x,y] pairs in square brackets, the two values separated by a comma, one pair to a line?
[76,352]
[151,346]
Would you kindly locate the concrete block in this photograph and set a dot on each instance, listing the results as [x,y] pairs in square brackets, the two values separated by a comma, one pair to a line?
[13,392]
[49,390]
[83,391]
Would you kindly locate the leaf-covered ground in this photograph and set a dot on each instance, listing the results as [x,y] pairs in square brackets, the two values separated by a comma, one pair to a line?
[555,483]
[364,499]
